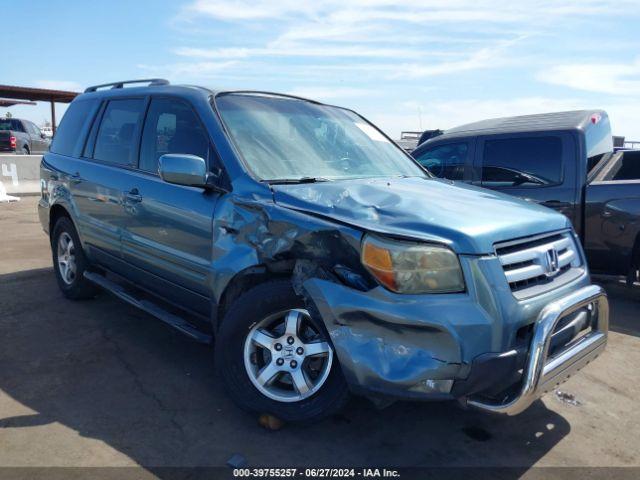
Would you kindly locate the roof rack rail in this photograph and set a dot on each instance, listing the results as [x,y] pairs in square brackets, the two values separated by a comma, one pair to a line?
[153,82]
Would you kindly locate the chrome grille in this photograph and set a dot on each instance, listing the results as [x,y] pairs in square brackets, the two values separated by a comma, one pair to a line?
[540,260]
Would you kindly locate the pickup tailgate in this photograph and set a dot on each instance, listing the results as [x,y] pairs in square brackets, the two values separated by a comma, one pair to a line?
[5,144]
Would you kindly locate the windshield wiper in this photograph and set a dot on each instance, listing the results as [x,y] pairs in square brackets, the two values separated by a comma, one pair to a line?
[284,181]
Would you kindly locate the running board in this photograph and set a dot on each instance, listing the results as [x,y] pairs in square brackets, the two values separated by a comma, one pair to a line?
[151,308]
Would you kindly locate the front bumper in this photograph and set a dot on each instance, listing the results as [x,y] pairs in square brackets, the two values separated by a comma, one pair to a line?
[543,372]
[398,346]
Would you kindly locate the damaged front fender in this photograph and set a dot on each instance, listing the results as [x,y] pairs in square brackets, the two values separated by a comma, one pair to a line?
[386,348]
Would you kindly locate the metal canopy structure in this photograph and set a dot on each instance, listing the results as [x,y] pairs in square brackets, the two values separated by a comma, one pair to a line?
[11,93]
[10,103]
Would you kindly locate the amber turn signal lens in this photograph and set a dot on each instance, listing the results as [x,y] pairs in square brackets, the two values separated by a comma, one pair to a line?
[378,260]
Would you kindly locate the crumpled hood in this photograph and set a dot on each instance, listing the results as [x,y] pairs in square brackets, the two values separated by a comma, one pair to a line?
[467,218]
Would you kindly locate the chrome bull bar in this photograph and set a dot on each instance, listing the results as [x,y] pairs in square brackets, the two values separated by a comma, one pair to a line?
[541,374]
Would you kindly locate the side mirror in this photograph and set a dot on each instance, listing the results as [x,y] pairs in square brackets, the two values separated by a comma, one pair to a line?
[183,169]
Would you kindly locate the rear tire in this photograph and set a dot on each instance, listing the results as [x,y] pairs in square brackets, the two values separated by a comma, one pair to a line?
[70,262]
[25,150]
[312,389]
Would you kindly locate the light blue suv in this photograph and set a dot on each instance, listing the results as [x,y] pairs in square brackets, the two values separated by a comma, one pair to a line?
[317,256]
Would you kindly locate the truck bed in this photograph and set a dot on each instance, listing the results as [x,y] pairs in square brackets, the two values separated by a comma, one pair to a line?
[5,144]
[623,165]
[612,214]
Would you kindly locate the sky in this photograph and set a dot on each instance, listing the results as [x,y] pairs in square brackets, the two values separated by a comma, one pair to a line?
[405,65]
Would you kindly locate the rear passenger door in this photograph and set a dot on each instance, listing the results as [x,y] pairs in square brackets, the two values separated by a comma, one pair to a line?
[167,232]
[100,184]
[451,160]
[538,167]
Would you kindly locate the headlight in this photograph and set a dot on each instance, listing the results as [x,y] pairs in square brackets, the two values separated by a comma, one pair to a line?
[411,267]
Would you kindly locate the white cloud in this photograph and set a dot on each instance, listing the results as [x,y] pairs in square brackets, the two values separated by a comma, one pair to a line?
[327,93]
[59,85]
[185,71]
[417,11]
[296,51]
[489,57]
[611,78]
[479,34]
[247,9]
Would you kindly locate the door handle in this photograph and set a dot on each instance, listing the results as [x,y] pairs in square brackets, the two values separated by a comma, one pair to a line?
[133,196]
[606,214]
[75,178]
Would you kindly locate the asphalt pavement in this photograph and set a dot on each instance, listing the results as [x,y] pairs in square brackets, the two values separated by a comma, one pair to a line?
[99,383]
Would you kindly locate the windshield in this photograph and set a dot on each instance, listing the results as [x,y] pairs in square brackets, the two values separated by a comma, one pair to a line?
[289,139]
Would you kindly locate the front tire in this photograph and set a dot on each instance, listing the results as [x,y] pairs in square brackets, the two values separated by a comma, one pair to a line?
[70,262]
[275,358]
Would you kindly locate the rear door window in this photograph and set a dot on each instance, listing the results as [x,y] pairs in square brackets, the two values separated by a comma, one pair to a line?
[445,161]
[70,132]
[522,162]
[117,136]
[171,126]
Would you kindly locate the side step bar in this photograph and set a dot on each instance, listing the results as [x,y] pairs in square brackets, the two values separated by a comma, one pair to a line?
[151,308]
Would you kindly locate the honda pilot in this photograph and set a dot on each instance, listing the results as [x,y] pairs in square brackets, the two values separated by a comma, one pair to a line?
[316,256]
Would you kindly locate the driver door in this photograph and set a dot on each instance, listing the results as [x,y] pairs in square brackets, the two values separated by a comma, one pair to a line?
[538,167]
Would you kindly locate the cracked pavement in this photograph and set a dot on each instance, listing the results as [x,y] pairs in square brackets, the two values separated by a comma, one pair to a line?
[99,383]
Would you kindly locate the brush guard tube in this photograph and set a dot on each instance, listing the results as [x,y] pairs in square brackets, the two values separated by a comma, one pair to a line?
[541,374]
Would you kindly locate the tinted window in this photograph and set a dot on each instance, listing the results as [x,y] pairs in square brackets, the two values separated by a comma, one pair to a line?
[116,138]
[171,127]
[68,134]
[445,161]
[525,161]
[11,124]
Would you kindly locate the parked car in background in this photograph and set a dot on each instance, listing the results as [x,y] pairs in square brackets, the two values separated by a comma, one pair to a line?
[318,256]
[564,161]
[47,130]
[22,137]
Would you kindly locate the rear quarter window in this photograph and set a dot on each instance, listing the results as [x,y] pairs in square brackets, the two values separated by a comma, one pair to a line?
[69,134]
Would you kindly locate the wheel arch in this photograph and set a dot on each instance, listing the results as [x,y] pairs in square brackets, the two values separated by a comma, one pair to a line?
[57,211]
[245,280]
